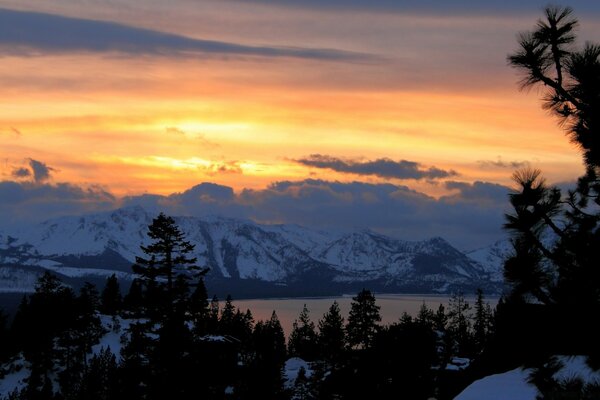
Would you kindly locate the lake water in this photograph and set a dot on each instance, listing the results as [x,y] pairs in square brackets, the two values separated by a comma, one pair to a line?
[392,307]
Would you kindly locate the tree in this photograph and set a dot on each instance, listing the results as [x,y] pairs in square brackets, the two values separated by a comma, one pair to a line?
[111,299]
[425,317]
[556,239]
[303,338]
[227,316]
[482,323]
[134,299]
[168,256]
[362,320]
[332,337]
[198,308]
[459,322]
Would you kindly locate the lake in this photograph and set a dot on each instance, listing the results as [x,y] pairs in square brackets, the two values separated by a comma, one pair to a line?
[392,306]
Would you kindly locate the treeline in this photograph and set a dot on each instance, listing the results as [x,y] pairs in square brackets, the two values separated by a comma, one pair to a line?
[102,345]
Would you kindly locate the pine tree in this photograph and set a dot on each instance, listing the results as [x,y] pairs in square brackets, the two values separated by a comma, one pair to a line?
[198,308]
[111,299]
[459,322]
[362,320]
[332,337]
[134,299]
[227,316]
[425,317]
[213,315]
[168,256]
[4,337]
[482,321]
[561,272]
[302,340]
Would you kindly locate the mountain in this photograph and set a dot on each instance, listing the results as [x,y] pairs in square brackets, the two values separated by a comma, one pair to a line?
[245,257]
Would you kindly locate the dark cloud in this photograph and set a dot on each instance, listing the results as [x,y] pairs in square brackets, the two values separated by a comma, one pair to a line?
[33,32]
[21,173]
[470,218]
[27,202]
[499,163]
[477,192]
[382,167]
[41,171]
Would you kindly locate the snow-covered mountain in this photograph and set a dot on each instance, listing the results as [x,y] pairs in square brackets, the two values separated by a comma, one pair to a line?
[241,251]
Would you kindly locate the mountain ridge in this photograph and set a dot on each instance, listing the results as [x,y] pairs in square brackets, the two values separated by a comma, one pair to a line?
[248,252]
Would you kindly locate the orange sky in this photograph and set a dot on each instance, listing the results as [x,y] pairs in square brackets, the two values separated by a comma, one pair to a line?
[161,123]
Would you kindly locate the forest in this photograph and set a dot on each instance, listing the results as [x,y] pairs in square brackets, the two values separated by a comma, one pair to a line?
[168,340]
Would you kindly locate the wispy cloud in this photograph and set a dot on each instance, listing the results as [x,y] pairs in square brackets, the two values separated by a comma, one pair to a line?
[201,138]
[37,170]
[381,167]
[499,163]
[32,32]
[12,131]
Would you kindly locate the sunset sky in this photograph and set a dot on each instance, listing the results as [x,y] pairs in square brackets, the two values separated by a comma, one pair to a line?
[402,117]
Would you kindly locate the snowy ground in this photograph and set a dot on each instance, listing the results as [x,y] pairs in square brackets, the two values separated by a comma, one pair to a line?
[291,368]
[513,385]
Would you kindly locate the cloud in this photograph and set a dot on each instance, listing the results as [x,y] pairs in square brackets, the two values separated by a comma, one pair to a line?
[470,218]
[21,173]
[41,171]
[12,131]
[37,170]
[29,202]
[477,192]
[32,32]
[382,167]
[173,130]
[435,7]
[499,163]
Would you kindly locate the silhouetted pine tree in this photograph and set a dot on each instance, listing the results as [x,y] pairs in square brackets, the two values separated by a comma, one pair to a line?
[332,336]
[425,317]
[166,258]
[133,301]
[459,323]
[362,320]
[198,308]
[111,299]
[100,382]
[213,315]
[226,321]
[5,348]
[263,374]
[554,270]
[482,322]
[556,239]
[303,338]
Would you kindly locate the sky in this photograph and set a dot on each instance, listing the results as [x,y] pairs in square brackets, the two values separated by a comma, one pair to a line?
[398,116]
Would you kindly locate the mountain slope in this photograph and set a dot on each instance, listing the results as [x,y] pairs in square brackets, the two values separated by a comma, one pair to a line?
[241,250]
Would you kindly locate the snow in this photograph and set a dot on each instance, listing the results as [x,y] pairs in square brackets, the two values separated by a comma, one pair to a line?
[458,363]
[513,384]
[112,339]
[292,368]
[213,338]
[14,379]
[235,247]
[509,385]
[83,272]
